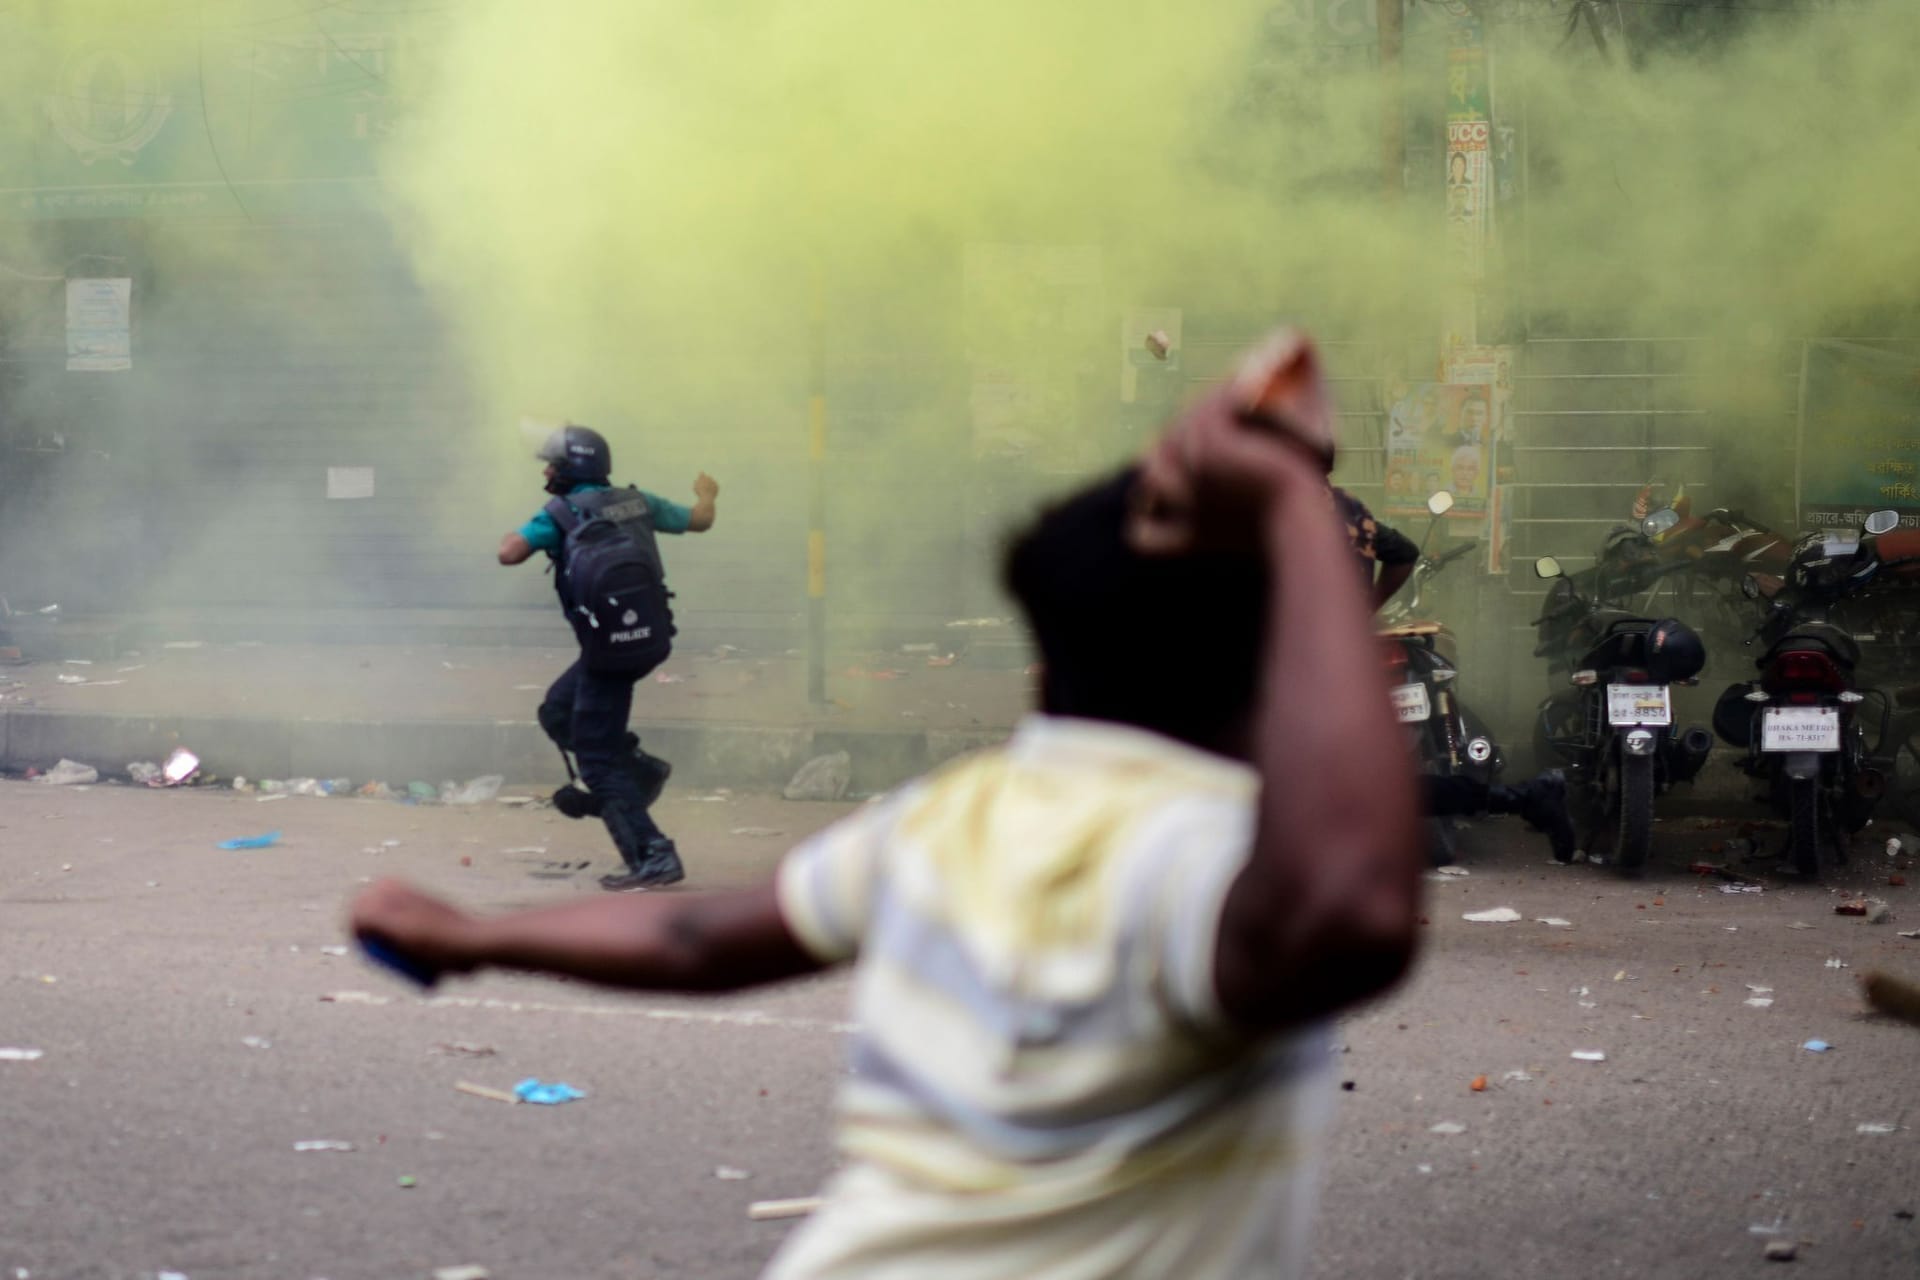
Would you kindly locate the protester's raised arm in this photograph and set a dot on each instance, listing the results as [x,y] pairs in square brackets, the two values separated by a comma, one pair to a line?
[1325,911]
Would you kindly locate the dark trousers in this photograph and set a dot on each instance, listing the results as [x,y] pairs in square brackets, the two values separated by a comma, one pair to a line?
[586,713]
[1452,797]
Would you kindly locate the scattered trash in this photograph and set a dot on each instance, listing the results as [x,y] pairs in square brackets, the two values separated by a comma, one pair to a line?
[664,678]
[406,1182]
[1720,872]
[943,660]
[758,833]
[1816,1046]
[180,767]
[1781,1250]
[375,791]
[516,801]
[1747,887]
[252,842]
[1517,1077]
[546,1095]
[67,679]
[333,951]
[1589,1055]
[1451,873]
[727,1173]
[21,1055]
[1799,924]
[822,778]
[462,1273]
[1478,1084]
[478,791]
[768,1210]
[422,792]
[144,772]
[1553,922]
[461,1049]
[268,799]
[1835,962]
[256,1042]
[1497,915]
[1758,1002]
[323,1144]
[1858,907]
[69,773]
[1910,933]
[1447,1128]
[1878,912]
[184,644]
[482,1091]
[1876,1128]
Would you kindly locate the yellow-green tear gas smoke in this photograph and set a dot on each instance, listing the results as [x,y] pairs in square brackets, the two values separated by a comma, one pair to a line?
[627,200]
[645,215]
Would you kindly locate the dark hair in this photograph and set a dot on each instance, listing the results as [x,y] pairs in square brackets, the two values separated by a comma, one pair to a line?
[1167,644]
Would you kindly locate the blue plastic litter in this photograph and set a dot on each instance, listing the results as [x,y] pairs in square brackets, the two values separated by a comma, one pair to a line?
[1817,1046]
[547,1095]
[252,842]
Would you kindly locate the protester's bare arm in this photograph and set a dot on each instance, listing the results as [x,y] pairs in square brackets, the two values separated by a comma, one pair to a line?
[705,492]
[664,942]
[515,549]
[1324,912]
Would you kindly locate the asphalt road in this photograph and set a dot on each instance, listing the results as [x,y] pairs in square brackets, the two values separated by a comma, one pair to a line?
[179,995]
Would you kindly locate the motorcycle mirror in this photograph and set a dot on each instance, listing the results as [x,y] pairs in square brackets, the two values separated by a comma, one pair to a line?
[1546,567]
[1659,522]
[1750,588]
[1440,503]
[1882,522]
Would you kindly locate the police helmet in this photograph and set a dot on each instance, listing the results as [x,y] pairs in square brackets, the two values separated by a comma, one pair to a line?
[578,455]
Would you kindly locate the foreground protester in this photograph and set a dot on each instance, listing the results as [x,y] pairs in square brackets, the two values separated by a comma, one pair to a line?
[1094,967]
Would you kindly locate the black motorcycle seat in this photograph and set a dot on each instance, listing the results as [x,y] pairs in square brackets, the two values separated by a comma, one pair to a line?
[1818,637]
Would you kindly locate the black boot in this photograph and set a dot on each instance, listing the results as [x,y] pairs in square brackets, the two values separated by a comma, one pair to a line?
[650,771]
[656,868]
[1542,803]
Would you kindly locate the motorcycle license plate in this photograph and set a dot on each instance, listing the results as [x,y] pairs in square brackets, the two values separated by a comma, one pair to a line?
[1410,703]
[1800,729]
[1639,704]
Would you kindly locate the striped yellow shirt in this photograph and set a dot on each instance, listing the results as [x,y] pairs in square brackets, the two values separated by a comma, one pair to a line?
[1043,1083]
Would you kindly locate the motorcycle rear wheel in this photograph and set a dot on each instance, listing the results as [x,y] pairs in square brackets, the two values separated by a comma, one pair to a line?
[1636,813]
[1803,843]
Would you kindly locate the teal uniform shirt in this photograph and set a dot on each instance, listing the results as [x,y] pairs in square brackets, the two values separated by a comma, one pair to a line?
[542,534]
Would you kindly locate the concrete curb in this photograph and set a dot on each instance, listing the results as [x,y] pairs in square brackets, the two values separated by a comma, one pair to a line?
[703,755]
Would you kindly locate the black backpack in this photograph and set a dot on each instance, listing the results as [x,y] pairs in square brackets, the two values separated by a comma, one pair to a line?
[611,580]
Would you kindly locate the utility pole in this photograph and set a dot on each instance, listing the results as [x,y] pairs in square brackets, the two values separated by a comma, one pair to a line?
[817,493]
[1393,125]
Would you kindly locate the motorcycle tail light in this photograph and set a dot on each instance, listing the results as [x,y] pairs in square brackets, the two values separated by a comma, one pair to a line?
[1396,656]
[1851,696]
[1635,677]
[1804,670]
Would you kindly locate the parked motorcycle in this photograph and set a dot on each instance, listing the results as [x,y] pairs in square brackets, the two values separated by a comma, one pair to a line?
[1800,720]
[1721,550]
[1612,729]
[1420,653]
